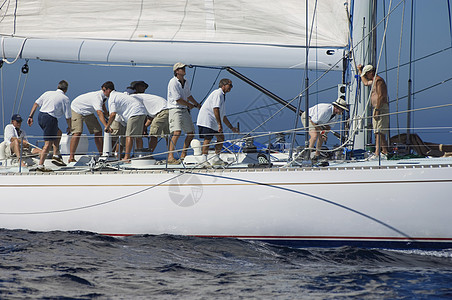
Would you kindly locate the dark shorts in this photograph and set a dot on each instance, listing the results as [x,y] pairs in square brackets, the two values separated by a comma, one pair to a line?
[49,125]
[206,133]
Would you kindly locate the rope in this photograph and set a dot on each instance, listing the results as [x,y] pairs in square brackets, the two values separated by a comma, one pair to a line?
[450,21]
[22,94]
[17,91]
[3,98]
[398,68]
[18,52]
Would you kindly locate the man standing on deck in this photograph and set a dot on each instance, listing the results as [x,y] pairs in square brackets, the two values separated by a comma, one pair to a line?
[134,114]
[83,109]
[210,118]
[380,115]
[54,104]
[179,98]
[321,118]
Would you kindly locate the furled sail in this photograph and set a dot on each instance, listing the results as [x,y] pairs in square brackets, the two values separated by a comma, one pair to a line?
[265,33]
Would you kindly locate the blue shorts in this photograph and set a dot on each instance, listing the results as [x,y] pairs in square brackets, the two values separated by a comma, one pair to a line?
[49,125]
[206,133]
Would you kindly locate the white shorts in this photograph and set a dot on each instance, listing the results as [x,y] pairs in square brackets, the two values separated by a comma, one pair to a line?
[180,120]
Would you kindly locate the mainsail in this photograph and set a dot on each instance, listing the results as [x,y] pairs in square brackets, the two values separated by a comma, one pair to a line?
[264,33]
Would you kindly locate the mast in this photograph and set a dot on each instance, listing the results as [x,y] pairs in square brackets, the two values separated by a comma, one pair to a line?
[364,52]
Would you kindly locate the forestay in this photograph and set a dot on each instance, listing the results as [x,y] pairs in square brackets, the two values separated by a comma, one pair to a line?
[263,33]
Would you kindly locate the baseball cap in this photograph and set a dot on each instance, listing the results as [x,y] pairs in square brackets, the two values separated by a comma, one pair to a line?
[178,65]
[16,117]
[366,69]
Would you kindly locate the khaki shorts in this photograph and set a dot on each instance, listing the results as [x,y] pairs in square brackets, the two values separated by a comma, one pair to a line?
[381,124]
[90,120]
[303,120]
[180,120]
[135,126]
[118,130]
[160,124]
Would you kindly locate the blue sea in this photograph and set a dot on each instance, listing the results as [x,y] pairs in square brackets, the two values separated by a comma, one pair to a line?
[83,265]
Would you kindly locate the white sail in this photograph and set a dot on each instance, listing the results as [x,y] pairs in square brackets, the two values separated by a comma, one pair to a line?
[238,33]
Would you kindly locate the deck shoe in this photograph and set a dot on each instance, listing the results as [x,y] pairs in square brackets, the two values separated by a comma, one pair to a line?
[43,169]
[174,162]
[374,157]
[204,164]
[56,160]
[218,162]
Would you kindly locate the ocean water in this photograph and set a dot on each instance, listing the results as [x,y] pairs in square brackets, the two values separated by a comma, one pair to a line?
[82,265]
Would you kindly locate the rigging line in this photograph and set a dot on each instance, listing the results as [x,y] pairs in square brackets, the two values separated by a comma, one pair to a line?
[138,20]
[398,68]
[6,11]
[3,98]
[193,78]
[410,66]
[425,89]
[22,94]
[17,92]
[182,21]
[293,99]
[331,202]
[4,3]
[386,60]
[15,17]
[213,84]
[18,53]
[421,58]
[109,51]
[450,21]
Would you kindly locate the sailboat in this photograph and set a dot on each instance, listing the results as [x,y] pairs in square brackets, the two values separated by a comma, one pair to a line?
[392,204]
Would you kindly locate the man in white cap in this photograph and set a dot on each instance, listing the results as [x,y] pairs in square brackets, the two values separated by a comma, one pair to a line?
[322,117]
[379,102]
[180,101]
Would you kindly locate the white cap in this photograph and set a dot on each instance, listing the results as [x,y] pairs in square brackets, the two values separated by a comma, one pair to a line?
[341,104]
[366,69]
[178,65]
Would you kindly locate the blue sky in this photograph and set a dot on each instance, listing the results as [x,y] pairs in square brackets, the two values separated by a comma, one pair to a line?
[432,34]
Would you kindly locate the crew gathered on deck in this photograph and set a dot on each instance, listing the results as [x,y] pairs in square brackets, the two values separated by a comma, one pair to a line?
[131,112]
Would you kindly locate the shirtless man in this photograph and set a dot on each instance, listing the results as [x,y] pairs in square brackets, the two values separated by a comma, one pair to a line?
[380,105]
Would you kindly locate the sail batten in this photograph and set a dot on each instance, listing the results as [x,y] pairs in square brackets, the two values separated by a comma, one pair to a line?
[137,25]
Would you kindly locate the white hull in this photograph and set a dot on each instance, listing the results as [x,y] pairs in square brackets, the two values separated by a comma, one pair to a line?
[403,207]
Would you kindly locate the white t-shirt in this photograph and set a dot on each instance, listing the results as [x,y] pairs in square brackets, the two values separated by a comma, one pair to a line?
[206,116]
[176,92]
[125,105]
[10,132]
[55,103]
[88,103]
[153,103]
[321,114]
